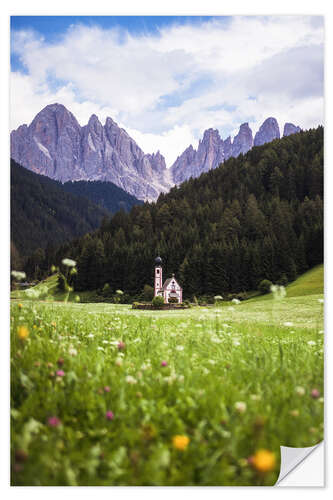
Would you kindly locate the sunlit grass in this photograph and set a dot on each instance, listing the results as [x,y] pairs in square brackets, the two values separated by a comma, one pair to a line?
[226,381]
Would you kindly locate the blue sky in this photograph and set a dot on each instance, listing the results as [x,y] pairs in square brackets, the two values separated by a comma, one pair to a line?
[166,79]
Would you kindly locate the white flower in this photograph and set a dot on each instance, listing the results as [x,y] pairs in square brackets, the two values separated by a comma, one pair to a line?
[100,348]
[240,406]
[211,361]
[311,342]
[216,340]
[68,262]
[119,361]
[279,292]
[90,336]
[300,390]
[130,380]
[18,275]
[179,348]
[236,343]
[321,301]
[72,351]
[288,323]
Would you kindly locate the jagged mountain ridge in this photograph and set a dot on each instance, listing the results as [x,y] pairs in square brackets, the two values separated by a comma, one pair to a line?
[55,145]
[213,150]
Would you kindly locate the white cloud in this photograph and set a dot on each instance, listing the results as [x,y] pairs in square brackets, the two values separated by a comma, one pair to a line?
[249,68]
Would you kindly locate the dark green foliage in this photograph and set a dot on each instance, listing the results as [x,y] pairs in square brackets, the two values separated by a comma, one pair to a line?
[61,283]
[42,213]
[256,217]
[173,300]
[157,301]
[265,286]
[105,194]
[148,293]
[283,281]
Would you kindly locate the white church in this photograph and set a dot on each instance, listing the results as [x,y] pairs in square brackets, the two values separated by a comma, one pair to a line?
[170,288]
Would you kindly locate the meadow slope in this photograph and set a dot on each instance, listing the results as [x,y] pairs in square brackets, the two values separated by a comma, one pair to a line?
[105,395]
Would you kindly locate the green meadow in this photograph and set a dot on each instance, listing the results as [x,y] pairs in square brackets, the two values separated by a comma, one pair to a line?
[102,394]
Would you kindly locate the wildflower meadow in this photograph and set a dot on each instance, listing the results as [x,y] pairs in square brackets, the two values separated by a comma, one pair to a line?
[102,394]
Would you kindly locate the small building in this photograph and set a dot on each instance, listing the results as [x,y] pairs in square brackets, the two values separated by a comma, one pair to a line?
[170,289]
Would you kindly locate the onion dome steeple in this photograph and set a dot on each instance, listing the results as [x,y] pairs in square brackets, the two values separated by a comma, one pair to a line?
[158,261]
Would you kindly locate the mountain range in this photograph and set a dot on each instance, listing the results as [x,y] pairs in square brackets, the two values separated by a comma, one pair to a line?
[55,145]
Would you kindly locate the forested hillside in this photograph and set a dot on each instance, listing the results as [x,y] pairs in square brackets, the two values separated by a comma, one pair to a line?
[105,194]
[42,213]
[256,216]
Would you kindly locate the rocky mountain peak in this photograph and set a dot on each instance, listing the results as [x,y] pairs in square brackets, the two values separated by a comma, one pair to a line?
[243,141]
[55,145]
[267,132]
[290,128]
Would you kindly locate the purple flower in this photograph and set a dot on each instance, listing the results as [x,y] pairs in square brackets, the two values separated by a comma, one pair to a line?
[107,388]
[54,421]
[60,373]
[121,345]
[109,415]
[315,393]
[164,363]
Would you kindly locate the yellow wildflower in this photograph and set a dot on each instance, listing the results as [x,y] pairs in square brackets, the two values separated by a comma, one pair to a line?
[180,442]
[22,332]
[20,306]
[264,460]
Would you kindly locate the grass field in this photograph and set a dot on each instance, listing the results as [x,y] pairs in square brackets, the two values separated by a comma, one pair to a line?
[105,395]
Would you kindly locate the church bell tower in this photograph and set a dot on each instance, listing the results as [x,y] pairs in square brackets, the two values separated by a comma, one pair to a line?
[158,276]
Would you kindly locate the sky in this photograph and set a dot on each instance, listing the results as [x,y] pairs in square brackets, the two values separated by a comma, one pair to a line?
[167,79]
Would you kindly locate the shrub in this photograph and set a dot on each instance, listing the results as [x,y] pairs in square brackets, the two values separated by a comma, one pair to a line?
[148,293]
[106,291]
[264,286]
[157,301]
[283,281]
[173,300]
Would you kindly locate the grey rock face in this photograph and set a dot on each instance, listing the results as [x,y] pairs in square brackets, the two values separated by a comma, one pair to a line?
[243,141]
[227,147]
[179,169]
[212,151]
[290,128]
[268,131]
[55,145]
[192,163]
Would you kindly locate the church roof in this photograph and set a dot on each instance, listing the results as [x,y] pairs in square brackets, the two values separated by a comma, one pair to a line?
[167,282]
